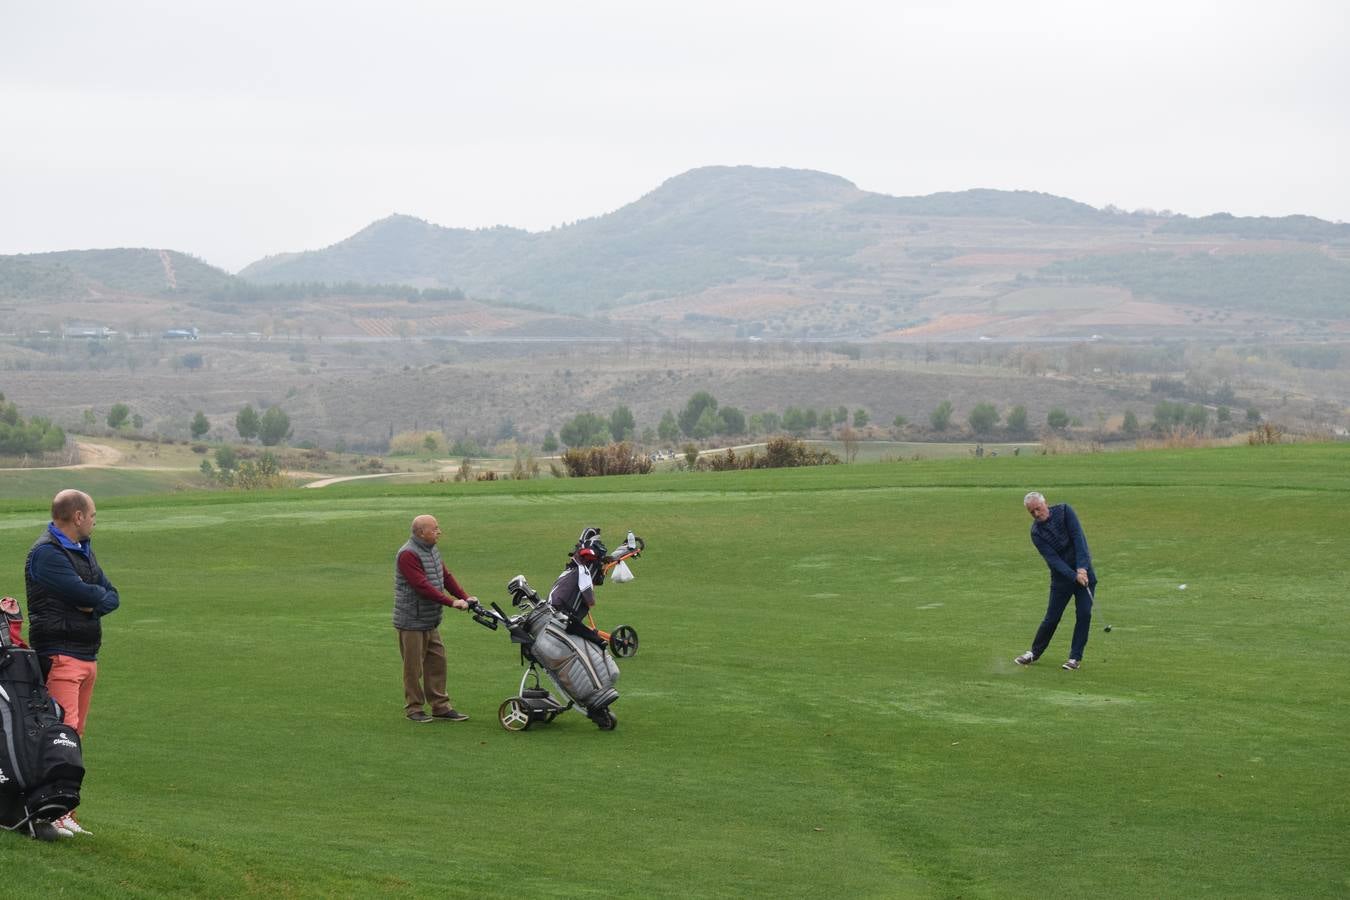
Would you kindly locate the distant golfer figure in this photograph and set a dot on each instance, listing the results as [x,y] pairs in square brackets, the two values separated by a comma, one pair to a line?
[1059,538]
[423,587]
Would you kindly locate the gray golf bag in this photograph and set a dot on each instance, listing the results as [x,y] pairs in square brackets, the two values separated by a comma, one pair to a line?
[577,666]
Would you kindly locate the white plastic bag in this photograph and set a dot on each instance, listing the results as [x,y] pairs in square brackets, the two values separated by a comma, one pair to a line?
[621,573]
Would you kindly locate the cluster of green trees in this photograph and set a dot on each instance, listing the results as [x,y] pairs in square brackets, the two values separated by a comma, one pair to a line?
[701,418]
[1170,416]
[270,428]
[592,430]
[19,437]
[1167,416]
[245,475]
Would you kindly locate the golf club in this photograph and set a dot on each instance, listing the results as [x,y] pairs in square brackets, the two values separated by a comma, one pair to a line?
[1107,627]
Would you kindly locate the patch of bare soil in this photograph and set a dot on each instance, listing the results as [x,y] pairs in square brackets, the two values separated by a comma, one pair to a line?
[1132,312]
[737,302]
[96,456]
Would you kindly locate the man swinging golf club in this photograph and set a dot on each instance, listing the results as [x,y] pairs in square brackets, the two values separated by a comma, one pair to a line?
[1060,540]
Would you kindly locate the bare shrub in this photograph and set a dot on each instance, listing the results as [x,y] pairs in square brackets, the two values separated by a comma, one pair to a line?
[1266,433]
[526,467]
[611,459]
[779,453]
[850,439]
[1054,445]
[1318,434]
[417,443]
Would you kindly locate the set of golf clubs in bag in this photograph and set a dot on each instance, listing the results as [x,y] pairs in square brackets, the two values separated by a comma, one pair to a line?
[41,763]
[576,669]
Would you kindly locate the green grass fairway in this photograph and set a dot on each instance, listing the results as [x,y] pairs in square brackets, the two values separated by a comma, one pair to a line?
[17,484]
[824,703]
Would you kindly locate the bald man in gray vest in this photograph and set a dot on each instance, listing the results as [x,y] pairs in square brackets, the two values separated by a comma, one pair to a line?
[423,587]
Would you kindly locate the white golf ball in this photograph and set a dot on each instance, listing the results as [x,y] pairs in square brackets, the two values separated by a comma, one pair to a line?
[1181,587]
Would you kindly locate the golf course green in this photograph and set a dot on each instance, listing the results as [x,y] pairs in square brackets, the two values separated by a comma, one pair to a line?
[823,703]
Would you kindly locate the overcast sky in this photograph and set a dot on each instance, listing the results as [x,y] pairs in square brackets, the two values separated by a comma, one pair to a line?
[234,130]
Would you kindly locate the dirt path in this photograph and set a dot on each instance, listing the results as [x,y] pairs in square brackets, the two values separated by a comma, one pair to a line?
[96,456]
[169,275]
[93,456]
[337,479]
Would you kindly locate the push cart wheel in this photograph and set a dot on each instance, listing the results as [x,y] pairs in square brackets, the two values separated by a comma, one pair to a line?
[624,641]
[514,714]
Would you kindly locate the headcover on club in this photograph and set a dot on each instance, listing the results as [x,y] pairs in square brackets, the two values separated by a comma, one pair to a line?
[590,552]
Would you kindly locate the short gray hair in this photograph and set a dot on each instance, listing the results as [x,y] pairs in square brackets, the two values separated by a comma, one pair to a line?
[1033,496]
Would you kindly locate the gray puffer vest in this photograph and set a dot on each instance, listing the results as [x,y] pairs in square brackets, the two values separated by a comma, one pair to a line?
[412,611]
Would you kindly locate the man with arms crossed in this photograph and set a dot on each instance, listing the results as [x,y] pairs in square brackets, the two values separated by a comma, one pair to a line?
[423,587]
[68,596]
[1060,540]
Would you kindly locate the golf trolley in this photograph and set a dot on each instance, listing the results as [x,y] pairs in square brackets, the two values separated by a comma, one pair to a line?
[580,674]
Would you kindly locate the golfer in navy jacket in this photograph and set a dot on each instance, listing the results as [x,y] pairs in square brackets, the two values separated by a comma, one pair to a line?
[1060,540]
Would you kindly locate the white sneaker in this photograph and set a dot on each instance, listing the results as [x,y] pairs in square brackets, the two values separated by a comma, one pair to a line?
[68,824]
[1025,659]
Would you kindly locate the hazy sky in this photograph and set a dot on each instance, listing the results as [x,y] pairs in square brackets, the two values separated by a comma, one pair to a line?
[234,130]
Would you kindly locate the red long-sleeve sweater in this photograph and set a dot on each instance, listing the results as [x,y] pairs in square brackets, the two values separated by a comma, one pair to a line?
[410,567]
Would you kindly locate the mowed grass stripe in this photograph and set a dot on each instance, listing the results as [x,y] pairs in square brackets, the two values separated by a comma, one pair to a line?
[824,702]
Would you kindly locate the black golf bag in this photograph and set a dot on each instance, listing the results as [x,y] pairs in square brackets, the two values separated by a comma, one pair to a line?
[41,766]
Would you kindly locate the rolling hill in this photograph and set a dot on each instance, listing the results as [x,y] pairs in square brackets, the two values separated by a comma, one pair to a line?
[738,252]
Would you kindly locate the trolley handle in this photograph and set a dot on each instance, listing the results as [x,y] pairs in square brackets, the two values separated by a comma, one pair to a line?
[485,617]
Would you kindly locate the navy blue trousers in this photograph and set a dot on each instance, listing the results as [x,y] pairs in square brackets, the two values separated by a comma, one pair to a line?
[1060,592]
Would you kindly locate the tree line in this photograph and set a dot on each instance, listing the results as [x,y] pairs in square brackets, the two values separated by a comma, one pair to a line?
[702,418]
[35,435]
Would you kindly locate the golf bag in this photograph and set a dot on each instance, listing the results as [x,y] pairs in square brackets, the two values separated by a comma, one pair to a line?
[41,766]
[579,666]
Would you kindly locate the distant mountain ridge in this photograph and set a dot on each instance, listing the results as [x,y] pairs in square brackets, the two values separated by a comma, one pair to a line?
[707,227]
[738,251]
